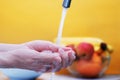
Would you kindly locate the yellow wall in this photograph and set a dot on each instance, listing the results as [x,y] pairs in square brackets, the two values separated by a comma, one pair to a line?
[25,20]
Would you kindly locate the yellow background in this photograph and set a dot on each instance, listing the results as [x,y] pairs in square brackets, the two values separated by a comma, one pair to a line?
[25,20]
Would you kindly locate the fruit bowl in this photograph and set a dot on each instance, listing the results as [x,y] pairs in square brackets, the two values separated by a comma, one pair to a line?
[94,71]
[98,56]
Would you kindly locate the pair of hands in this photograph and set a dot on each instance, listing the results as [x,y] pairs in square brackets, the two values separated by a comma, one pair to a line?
[41,56]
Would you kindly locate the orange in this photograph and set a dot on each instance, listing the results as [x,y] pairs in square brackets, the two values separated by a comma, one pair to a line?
[88,69]
[96,58]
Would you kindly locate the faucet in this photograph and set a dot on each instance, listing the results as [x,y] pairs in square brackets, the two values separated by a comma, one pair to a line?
[66,3]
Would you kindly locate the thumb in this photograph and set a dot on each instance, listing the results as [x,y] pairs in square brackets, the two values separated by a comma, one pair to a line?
[40,45]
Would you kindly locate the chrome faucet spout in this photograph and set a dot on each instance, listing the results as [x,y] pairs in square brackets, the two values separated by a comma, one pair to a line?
[66,3]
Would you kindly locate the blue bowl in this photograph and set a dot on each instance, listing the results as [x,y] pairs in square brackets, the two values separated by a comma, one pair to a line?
[20,74]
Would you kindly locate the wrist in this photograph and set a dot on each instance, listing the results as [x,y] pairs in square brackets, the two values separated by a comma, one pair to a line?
[5,60]
[9,47]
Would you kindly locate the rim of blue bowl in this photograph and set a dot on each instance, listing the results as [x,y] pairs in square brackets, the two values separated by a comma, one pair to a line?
[19,73]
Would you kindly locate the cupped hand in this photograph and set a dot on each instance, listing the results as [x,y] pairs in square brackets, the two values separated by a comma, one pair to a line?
[42,56]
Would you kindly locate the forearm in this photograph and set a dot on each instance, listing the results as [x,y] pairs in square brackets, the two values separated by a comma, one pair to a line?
[8,47]
[5,60]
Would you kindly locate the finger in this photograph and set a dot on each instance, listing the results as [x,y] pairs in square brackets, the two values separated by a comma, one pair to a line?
[54,60]
[48,68]
[72,57]
[49,58]
[64,56]
[52,68]
[57,62]
[43,69]
[40,45]
[71,54]
[66,48]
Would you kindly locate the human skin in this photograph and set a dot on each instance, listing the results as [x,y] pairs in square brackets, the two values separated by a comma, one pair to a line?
[37,55]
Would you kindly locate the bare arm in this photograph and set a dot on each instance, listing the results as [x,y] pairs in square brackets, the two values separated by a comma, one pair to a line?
[5,60]
[9,47]
[43,56]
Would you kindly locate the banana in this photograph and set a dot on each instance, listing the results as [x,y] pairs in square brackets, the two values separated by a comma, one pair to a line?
[75,40]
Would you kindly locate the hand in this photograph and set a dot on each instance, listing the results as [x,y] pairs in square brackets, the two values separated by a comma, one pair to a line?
[42,56]
[67,54]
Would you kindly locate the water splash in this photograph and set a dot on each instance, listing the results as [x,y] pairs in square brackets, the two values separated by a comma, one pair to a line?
[60,31]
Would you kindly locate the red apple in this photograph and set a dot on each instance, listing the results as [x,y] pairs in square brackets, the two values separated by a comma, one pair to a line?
[85,50]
